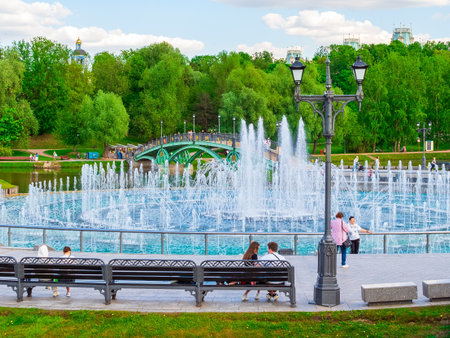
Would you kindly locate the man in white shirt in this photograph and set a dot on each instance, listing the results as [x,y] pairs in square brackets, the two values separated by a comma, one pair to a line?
[353,231]
[272,255]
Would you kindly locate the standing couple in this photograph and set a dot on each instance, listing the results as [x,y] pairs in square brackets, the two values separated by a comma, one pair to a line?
[341,231]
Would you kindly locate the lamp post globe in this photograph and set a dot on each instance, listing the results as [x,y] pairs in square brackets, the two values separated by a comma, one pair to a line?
[359,70]
[297,69]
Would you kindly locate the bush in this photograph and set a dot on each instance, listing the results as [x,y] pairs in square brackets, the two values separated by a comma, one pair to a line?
[5,151]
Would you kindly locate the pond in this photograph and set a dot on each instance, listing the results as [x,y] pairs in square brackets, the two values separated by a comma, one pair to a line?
[22,177]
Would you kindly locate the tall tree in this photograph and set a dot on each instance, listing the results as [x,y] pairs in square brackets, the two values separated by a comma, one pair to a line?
[110,73]
[43,84]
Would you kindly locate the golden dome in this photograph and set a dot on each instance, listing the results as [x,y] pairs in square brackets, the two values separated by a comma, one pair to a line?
[78,41]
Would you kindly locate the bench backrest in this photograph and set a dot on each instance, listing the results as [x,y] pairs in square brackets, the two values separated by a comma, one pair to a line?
[246,271]
[152,270]
[62,268]
[7,268]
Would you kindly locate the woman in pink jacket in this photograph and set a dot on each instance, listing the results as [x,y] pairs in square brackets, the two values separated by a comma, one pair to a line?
[339,231]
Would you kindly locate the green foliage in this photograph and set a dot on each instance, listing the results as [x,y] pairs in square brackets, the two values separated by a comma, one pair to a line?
[10,129]
[403,85]
[109,73]
[43,84]
[73,122]
[106,116]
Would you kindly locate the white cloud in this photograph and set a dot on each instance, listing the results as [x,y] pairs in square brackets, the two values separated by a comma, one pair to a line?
[277,52]
[336,4]
[326,27]
[423,38]
[20,20]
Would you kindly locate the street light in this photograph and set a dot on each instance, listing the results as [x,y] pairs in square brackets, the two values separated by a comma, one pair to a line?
[326,289]
[234,132]
[161,128]
[193,118]
[184,126]
[219,124]
[78,141]
[423,130]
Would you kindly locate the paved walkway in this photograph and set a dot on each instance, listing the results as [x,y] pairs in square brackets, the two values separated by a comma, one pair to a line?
[364,269]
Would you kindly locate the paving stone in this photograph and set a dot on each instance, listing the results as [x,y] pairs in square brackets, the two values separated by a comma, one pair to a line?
[364,269]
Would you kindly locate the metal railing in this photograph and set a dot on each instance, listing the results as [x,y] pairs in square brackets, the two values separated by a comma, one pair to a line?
[219,138]
[207,235]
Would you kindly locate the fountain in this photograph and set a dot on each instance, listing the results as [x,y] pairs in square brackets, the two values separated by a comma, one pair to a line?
[254,195]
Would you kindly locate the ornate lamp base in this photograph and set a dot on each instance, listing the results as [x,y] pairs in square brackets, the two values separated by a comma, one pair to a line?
[326,289]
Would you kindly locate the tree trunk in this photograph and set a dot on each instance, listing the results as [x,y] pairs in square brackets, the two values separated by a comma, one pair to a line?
[315,145]
[374,149]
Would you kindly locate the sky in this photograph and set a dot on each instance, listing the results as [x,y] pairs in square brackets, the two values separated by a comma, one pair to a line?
[199,27]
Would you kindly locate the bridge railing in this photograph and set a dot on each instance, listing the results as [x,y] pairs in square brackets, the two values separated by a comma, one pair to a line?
[220,138]
[204,243]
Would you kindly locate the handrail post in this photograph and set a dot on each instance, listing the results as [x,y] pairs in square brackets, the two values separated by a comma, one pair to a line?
[44,236]
[121,241]
[250,238]
[295,244]
[428,243]
[206,244]
[162,243]
[384,243]
[81,240]
[9,236]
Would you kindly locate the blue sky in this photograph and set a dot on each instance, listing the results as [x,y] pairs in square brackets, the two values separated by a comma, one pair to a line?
[209,26]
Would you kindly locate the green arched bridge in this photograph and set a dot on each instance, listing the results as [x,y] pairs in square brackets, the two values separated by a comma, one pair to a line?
[185,148]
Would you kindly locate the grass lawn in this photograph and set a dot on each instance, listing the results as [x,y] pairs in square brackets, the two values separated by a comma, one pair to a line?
[414,322]
[6,185]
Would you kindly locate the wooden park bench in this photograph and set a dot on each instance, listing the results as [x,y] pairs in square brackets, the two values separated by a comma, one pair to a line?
[152,274]
[267,275]
[64,157]
[8,275]
[68,272]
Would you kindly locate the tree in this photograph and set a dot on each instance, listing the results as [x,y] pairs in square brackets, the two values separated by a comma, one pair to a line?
[71,124]
[109,73]
[14,110]
[110,120]
[43,84]
[160,79]
[10,128]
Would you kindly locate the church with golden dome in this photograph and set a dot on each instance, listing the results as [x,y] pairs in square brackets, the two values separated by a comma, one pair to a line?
[79,54]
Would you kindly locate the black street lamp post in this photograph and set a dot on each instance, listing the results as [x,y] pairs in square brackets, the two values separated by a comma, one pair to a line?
[219,124]
[193,119]
[184,126]
[326,289]
[76,150]
[423,130]
[234,132]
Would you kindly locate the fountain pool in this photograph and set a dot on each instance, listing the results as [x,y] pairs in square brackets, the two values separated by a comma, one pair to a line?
[253,196]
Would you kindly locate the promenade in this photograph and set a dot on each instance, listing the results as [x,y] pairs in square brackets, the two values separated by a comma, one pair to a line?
[364,269]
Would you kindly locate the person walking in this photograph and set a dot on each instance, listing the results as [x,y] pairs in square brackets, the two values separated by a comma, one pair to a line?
[434,164]
[251,254]
[272,255]
[353,232]
[339,230]
[356,163]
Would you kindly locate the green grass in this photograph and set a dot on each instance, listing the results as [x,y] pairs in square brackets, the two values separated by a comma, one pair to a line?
[415,322]
[20,153]
[64,164]
[6,185]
